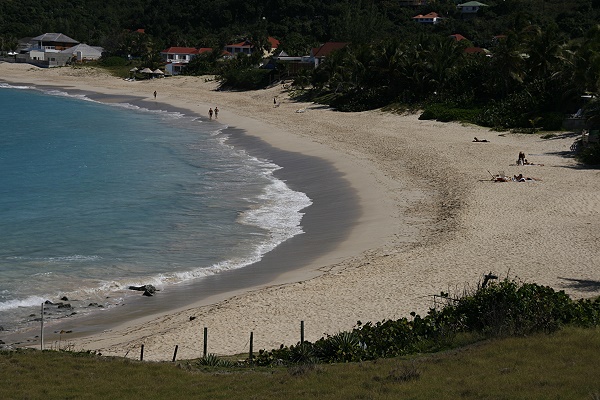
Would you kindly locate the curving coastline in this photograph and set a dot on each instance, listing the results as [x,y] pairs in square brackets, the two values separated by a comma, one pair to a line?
[430,218]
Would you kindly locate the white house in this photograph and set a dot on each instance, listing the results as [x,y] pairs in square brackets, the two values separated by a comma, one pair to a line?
[177,58]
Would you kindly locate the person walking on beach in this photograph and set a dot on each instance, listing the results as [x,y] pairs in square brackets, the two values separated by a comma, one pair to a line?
[155,95]
[210,113]
[216,112]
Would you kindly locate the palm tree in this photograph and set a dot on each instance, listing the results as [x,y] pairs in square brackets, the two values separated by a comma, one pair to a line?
[508,63]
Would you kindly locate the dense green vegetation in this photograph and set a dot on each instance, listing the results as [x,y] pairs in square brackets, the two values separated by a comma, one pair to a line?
[504,341]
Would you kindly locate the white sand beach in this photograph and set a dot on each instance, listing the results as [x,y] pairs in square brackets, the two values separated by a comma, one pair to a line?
[432,219]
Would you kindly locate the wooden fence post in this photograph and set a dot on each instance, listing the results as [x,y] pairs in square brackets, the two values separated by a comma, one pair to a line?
[301,332]
[205,340]
[251,345]
[42,330]
[175,352]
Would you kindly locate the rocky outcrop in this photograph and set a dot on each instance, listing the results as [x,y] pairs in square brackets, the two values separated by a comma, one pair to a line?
[148,290]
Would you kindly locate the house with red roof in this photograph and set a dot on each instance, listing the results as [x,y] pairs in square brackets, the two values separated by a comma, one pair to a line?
[431,18]
[246,47]
[317,54]
[458,37]
[177,58]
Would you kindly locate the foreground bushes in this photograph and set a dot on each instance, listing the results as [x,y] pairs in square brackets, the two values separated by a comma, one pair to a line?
[506,308]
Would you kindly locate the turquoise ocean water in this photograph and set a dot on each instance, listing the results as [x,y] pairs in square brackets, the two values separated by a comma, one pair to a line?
[97,197]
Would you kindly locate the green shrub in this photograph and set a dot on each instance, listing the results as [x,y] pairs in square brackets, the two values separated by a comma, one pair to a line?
[212,360]
[590,155]
[360,100]
[245,79]
[447,113]
[113,61]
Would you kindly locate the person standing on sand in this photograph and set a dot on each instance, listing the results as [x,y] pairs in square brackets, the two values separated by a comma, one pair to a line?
[155,95]
[216,112]
[210,113]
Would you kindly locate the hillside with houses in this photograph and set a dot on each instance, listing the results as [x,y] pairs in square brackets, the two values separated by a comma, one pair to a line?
[505,64]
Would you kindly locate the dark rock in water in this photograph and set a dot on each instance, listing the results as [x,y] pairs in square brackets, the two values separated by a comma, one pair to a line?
[1,328]
[93,305]
[148,290]
[64,298]
[147,293]
[2,342]
[48,302]
[64,305]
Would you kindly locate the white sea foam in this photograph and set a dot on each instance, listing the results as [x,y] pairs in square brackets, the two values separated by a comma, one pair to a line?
[9,86]
[18,303]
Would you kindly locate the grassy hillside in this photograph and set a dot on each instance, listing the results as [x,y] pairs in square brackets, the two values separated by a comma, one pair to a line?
[563,365]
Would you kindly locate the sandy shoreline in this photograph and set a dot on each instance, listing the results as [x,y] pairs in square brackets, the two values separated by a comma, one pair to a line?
[431,219]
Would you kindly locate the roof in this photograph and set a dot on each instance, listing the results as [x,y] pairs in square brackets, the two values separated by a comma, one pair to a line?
[245,43]
[186,50]
[472,4]
[458,37]
[431,15]
[86,51]
[274,42]
[55,37]
[328,48]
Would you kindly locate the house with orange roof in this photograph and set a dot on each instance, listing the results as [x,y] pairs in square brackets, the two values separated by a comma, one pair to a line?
[431,18]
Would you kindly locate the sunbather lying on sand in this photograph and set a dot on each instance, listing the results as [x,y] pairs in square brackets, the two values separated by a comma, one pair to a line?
[521,178]
[480,140]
